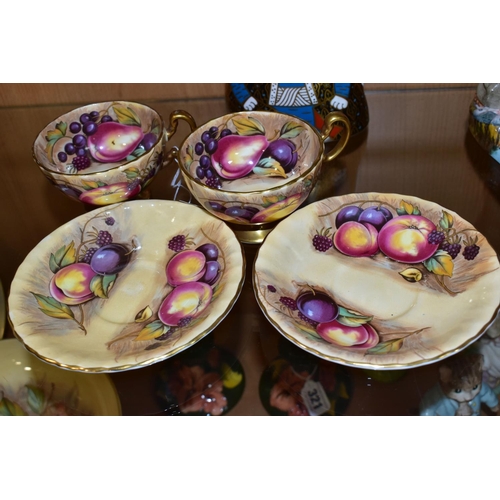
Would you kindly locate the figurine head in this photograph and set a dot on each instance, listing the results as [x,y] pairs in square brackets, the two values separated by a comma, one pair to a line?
[461,377]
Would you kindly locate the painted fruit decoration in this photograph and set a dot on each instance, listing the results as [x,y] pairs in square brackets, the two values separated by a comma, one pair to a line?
[114,134]
[84,270]
[113,142]
[240,148]
[316,313]
[193,274]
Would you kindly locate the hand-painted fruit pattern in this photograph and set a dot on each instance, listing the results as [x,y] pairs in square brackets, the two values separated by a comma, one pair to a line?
[111,135]
[316,313]
[239,149]
[84,270]
[193,275]
[370,228]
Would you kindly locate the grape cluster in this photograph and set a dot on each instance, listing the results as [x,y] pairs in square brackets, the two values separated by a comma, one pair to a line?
[85,127]
[177,243]
[88,255]
[289,302]
[103,238]
[204,149]
[436,237]
[452,248]
[470,252]
[322,243]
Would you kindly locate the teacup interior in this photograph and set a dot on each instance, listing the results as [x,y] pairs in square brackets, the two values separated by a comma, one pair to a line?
[104,135]
[253,151]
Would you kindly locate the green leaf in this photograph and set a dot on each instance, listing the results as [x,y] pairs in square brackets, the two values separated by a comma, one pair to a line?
[53,308]
[416,211]
[352,318]
[101,285]
[407,207]
[152,331]
[401,211]
[62,127]
[54,135]
[441,263]
[155,126]
[249,126]
[126,115]
[36,399]
[10,409]
[92,184]
[386,347]
[291,130]
[65,256]
[446,221]
[132,173]
[190,151]
[269,167]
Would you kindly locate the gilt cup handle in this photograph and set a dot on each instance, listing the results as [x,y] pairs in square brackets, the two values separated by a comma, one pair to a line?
[330,121]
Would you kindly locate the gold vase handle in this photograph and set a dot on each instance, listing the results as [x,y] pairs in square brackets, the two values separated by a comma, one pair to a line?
[330,120]
[175,116]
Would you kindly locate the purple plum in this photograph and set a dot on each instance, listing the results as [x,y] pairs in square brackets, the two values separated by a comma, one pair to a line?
[284,152]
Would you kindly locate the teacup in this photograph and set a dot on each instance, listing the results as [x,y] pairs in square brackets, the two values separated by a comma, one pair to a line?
[252,169]
[103,153]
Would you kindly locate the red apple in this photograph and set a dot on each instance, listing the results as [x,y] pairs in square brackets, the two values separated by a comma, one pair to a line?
[362,336]
[114,193]
[71,284]
[356,239]
[186,300]
[404,239]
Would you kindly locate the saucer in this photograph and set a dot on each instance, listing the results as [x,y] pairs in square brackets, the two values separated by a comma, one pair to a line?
[30,387]
[126,286]
[378,281]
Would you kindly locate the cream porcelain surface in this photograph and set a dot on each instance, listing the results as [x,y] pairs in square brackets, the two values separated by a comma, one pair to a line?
[31,387]
[119,328]
[417,321]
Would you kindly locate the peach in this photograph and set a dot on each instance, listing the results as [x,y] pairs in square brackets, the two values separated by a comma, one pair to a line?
[362,336]
[114,193]
[404,239]
[356,239]
[186,266]
[186,300]
[71,284]
[277,210]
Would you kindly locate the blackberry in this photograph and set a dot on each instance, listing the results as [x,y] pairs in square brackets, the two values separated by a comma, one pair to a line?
[470,252]
[103,238]
[88,255]
[213,182]
[452,248]
[271,288]
[109,221]
[322,243]
[166,335]
[289,302]
[177,243]
[132,185]
[308,320]
[185,321]
[81,162]
[436,237]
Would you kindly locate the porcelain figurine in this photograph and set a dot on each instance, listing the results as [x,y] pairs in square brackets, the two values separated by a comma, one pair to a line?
[460,391]
[484,118]
[309,101]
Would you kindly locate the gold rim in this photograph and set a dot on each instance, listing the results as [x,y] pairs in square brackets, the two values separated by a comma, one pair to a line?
[360,364]
[169,354]
[116,167]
